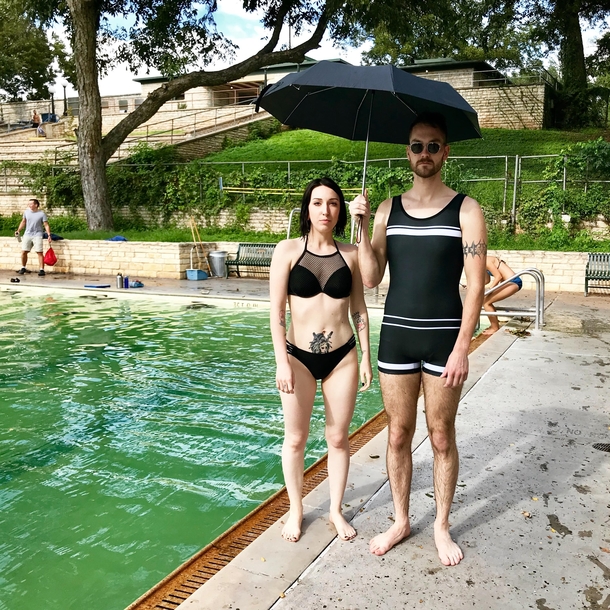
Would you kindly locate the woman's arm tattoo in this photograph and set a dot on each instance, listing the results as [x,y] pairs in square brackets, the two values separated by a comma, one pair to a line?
[479,249]
[283,318]
[359,322]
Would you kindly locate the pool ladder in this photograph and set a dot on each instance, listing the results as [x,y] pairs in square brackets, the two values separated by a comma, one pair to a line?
[537,312]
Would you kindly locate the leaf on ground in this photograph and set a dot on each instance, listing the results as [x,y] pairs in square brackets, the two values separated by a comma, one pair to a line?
[518,332]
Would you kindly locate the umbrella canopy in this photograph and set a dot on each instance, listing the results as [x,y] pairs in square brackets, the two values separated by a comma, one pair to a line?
[376,103]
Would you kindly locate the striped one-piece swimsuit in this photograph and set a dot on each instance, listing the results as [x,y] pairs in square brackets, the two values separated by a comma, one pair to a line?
[423,310]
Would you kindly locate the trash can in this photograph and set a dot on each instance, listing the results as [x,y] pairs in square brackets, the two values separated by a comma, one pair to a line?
[217,260]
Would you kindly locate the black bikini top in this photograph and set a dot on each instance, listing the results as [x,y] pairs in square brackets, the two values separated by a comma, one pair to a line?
[316,273]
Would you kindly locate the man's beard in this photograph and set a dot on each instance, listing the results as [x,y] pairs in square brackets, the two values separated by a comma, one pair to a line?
[428,170]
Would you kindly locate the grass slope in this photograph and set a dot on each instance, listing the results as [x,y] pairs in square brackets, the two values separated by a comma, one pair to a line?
[303,144]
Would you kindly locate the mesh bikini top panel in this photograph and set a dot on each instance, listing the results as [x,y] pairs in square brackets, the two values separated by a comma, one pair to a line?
[316,273]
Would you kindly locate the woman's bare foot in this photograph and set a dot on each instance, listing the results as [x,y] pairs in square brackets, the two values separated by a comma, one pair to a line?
[490,331]
[381,544]
[292,530]
[344,530]
[449,552]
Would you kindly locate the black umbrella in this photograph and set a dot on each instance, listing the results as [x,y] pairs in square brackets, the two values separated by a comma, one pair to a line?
[369,103]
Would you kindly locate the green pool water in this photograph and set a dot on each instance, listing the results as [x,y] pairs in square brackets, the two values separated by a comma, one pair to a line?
[132,434]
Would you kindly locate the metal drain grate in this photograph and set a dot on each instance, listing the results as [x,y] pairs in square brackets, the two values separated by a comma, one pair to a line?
[602,447]
[183,582]
[186,579]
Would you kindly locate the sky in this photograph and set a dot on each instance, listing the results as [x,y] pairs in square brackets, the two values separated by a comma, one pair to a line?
[245,30]
[242,28]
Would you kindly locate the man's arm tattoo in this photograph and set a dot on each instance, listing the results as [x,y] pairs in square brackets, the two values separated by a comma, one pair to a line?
[473,249]
[359,322]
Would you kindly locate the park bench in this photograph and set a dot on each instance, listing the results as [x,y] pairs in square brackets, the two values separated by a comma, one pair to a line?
[598,270]
[251,255]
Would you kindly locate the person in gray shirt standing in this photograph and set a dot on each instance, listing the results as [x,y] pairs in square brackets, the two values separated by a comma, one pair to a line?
[35,222]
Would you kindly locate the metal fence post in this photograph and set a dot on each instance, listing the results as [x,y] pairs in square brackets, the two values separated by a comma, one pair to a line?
[288,172]
[586,175]
[565,171]
[505,184]
[513,215]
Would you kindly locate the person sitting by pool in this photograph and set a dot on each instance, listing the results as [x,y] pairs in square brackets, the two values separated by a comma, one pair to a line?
[321,281]
[498,271]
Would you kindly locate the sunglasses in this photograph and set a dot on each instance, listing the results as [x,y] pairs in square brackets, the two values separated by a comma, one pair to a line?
[417,148]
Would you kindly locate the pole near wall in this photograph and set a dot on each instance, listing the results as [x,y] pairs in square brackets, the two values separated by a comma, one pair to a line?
[513,214]
[505,184]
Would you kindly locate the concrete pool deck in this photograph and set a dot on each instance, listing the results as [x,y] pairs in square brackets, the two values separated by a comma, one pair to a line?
[531,510]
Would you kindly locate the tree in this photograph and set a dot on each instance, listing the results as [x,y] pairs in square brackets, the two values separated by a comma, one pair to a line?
[171,36]
[26,55]
[507,33]
[488,30]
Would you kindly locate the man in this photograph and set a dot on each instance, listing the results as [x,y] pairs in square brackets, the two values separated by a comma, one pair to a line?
[35,222]
[427,235]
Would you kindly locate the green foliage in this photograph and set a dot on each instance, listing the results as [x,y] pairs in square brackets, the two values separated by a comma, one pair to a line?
[155,188]
[556,239]
[61,224]
[9,224]
[26,55]
[583,199]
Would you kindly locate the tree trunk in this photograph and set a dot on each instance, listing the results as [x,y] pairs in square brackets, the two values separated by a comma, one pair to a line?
[571,54]
[85,18]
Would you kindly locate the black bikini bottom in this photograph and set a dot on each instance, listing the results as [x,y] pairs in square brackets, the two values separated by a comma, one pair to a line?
[321,365]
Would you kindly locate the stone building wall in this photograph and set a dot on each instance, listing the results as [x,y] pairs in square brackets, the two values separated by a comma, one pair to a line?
[513,107]
[458,79]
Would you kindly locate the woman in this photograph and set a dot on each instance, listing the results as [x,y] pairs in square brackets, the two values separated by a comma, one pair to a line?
[321,281]
[498,271]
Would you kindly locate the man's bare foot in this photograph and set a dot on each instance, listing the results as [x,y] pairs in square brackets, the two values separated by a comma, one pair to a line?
[344,530]
[292,530]
[449,552]
[490,331]
[381,544]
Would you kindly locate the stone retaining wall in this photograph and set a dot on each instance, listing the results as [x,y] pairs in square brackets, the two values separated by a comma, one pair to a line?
[563,271]
[136,259]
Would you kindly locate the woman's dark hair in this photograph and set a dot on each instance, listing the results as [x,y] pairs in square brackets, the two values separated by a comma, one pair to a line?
[331,184]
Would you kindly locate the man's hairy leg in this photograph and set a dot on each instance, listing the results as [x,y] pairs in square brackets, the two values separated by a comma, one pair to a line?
[400,393]
[441,409]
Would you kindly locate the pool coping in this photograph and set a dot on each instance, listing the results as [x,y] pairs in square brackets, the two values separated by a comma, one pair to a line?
[261,574]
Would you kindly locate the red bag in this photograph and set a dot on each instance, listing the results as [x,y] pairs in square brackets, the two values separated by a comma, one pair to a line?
[49,258]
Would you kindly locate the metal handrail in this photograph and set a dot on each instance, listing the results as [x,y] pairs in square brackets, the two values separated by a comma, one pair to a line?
[537,312]
[290,220]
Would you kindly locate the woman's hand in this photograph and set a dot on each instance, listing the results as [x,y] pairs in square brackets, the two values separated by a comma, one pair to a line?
[284,378]
[366,374]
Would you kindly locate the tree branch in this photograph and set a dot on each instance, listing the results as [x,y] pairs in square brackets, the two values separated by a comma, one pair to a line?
[264,57]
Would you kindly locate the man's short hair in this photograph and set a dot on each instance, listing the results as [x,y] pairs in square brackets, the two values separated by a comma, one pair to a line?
[432,119]
[35,201]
